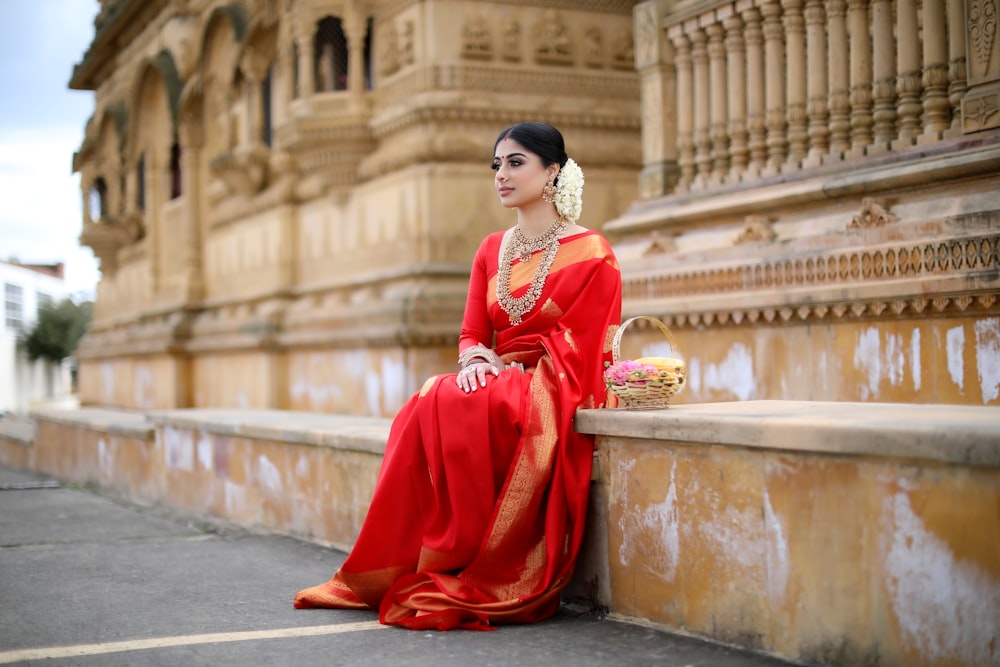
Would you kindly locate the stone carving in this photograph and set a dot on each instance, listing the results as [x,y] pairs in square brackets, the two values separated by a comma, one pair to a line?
[982,28]
[659,245]
[512,40]
[756,228]
[981,113]
[407,50]
[624,50]
[390,52]
[872,215]
[553,42]
[477,40]
[648,33]
[593,47]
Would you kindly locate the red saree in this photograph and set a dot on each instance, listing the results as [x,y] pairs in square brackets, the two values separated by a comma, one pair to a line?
[480,504]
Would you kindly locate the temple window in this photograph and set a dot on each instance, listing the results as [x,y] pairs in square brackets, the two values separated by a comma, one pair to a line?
[175,170]
[330,55]
[265,112]
[368,53]
[140,183]
[295,70]
[97,200]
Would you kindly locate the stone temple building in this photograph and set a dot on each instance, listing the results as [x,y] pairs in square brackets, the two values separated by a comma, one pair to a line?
[285,195]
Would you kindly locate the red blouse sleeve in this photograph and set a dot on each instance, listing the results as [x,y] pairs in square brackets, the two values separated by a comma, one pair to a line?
[477,329]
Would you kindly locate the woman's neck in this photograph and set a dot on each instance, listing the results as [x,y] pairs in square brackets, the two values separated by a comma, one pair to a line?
[535,220]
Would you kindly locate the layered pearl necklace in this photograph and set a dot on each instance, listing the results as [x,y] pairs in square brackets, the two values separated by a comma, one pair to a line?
[521,247]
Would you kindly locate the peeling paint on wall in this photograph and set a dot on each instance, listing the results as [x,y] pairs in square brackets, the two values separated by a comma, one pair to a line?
[268,474]
[956,364]
[108,383]
[868,360]
[915,358]
[143,387]
[895,359]
[178,449]
[734,375]
[659,523]
[988,357]
[777,555]
[736,536]
[947,609]
[205,454]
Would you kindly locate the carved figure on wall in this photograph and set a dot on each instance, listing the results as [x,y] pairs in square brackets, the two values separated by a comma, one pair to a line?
[872,214]
[406,47]
[389,55]
[512,40]
[477,42]
[593,46]
[624,50]
[756,228]
[554,43]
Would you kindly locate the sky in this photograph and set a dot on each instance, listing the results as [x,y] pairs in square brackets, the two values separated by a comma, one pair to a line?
[42,123]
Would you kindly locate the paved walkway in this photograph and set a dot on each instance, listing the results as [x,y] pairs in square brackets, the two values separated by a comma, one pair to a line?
[89,580]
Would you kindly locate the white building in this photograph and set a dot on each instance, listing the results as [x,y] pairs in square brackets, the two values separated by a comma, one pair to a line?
[26,287]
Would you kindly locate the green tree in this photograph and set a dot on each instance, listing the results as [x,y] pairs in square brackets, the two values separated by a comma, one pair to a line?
[58,331]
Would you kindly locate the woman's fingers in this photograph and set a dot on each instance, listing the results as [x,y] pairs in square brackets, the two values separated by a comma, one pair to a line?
[473,377]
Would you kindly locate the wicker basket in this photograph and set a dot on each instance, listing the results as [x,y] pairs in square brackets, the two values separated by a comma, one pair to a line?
[647,383]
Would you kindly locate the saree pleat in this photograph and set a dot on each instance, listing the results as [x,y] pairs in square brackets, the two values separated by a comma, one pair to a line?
[479,509]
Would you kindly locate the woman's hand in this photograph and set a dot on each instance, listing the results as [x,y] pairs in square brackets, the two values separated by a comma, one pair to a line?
[474,375]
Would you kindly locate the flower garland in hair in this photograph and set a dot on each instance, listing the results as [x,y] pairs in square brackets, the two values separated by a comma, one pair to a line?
[569,191]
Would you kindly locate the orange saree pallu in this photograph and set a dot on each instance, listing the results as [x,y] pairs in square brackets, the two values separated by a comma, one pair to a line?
[480,505]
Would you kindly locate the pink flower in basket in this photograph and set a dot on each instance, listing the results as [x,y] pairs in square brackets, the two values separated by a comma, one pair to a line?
[628,371]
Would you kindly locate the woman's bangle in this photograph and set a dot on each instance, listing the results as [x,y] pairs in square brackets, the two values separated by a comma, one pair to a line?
[480,352]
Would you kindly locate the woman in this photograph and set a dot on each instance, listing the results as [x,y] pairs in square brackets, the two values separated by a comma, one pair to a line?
[480,504]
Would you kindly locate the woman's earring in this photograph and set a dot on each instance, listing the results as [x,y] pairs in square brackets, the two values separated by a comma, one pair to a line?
[549,193]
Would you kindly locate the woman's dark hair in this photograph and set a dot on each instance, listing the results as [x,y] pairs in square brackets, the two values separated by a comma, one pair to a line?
[541,139]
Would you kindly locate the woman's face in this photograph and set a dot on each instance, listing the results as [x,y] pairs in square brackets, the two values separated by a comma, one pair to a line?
[519,174]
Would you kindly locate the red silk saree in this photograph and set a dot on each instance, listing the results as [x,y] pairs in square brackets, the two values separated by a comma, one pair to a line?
[480,505]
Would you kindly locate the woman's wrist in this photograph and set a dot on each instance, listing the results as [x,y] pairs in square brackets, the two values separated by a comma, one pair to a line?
[484,354]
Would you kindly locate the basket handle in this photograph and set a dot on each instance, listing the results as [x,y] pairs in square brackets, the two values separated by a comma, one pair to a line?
[616,344]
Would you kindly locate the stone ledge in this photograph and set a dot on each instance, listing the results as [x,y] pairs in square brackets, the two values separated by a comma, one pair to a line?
[967,435]
[128,423]
[18,430]
[364,434]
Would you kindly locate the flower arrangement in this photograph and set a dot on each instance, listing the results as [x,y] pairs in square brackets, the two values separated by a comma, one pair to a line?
[569,191]
[647,382]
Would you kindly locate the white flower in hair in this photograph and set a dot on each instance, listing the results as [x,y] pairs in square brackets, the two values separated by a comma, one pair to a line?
[569,192]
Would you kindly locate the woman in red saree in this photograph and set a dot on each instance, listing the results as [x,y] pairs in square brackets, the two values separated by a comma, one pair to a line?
[480,505]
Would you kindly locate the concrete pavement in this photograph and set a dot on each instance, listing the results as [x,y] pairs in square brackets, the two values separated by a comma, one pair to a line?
[87,579]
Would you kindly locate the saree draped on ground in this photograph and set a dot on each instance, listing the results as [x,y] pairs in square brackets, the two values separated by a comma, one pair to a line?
[479,509]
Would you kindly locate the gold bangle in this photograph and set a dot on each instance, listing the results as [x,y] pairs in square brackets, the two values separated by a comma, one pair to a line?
[480,352]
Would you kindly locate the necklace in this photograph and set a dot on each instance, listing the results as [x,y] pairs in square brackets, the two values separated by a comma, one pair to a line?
[521,247]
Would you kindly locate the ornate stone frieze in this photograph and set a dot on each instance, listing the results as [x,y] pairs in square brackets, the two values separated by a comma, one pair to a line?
[970,263]
[756,228]
[477,38]
[553,42]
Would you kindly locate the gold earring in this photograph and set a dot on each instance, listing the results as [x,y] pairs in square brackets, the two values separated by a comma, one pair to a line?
[549,193]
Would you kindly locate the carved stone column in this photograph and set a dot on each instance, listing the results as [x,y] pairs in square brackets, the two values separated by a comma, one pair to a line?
[861,76]
[355,28]
[816,80]
[718,100]
[937,112]
[795,55]
[757,128]
[957,77]
[908,66]
[838,60]
[655,63]
[191,144]
[736,70]
[981,103]
[702,102]
[307,81]
[685,105]
[884,71]
[255,103]
[774,93]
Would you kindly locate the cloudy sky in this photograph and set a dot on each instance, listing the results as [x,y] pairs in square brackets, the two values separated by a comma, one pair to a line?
[41,125]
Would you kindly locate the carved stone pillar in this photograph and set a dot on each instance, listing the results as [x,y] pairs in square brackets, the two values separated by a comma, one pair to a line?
[702,102]
[816,80]
[736,71]
[255,102]
[307,82]
[756,126]
[981,103]
[937,112]
[685,105]
[957,77]
[908,66]
[838,50]
[795,55]
[355,29]
[655,64]
[884,71]
[774,92]
[718,100]
[191,140]
[861,75]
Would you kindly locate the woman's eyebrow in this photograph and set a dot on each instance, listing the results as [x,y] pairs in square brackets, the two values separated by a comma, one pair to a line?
[511,156]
